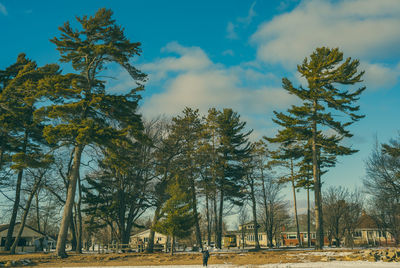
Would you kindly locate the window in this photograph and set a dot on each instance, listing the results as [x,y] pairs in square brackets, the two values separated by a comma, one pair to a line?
[313,236]
[357,234]
[292,236]
[260,237]
[305,236]
[146,239]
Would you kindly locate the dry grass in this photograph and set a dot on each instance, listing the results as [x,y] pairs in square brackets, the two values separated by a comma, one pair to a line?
[125,259]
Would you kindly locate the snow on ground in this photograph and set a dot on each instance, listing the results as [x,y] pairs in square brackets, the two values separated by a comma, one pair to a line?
[333,264]
[326,253]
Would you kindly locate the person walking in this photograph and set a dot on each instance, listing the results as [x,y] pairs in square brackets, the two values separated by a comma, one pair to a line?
[206,255]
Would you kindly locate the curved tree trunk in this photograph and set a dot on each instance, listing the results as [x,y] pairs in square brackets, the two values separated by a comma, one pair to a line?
[10,230]
[26,212]
[65,222]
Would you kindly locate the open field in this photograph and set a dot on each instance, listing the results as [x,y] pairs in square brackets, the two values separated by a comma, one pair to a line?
[253,259]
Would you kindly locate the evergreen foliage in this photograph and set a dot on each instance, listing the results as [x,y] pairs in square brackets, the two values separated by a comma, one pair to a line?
[324,71]
[83,112]
[177,216]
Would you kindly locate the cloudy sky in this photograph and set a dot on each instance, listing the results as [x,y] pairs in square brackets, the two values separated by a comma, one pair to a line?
[234,53]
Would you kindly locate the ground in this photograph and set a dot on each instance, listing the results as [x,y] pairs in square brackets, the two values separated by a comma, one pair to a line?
[265,258]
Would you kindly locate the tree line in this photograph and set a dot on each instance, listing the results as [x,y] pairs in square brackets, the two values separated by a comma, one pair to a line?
[67,141]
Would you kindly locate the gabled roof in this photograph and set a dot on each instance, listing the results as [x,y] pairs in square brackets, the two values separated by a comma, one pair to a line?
[145,232]
[5,227]
[366,222]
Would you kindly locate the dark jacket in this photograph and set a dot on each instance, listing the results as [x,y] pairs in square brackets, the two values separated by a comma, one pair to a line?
[206,254]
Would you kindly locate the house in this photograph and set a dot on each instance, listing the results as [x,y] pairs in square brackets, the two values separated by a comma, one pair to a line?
[29,238]
[245,235]
[141,240]
[369,233]
[289,236]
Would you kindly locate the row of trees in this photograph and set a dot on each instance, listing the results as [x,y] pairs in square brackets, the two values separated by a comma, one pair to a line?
[44,110]
[69,138]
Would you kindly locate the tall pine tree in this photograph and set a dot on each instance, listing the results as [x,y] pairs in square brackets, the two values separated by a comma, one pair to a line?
[84,112]
[20,97]
[324,71]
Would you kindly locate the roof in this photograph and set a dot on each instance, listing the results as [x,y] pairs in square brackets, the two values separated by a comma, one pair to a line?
[366,222]
[145,232]
[5,227]
[302,229]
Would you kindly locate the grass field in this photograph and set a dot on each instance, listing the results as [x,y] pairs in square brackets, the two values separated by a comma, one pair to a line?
[250,259]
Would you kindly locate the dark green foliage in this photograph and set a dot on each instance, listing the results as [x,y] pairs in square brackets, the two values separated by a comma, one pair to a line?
[22,142]
[177,217]
[117,193]
[83,112]
[323,71]
[233,148]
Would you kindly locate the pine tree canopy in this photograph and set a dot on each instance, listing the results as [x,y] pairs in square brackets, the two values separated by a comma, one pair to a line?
[84,110]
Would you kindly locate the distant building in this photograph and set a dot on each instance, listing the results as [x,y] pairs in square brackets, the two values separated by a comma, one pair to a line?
[369,233]
[289,237]
[31,240]
[141,240]
[245,235]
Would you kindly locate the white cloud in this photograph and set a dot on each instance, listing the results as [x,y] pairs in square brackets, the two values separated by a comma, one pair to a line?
[3,10]
[366,29]
[251,14]
[242,88]
[240,22]
[230,31]
[189,58]
[378,76]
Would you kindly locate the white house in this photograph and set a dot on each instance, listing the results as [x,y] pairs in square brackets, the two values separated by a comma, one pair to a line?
[29,238]
[141,240]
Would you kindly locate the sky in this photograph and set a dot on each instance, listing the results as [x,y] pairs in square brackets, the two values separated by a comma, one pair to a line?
[234,53]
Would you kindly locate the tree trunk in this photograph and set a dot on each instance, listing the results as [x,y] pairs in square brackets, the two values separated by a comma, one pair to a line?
[150,245]
[215,217]
[319,243]
[208,220]
[196,216]
[37,210]
[308,218]
[10,230]
[73,233]
[296,219]
[267,218]
[25,215]
[254,208]
[219,229]
[243,237]
[79,219]
[65,222]
[172,244]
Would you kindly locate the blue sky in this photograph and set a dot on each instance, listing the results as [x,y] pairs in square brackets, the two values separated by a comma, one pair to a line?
[234,54]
